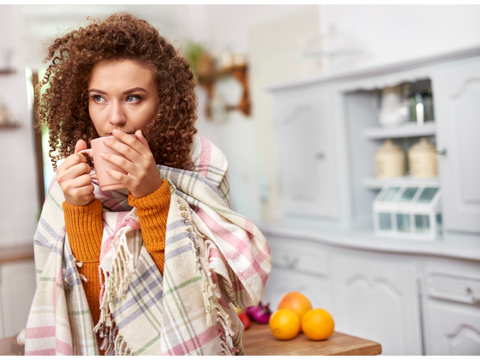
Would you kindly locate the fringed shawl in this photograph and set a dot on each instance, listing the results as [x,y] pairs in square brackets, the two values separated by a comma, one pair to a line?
[213,257]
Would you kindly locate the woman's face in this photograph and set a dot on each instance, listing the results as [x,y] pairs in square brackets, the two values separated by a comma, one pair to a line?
[122,95]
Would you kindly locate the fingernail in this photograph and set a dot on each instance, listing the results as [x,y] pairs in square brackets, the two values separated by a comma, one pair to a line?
[102,155]
[106,141]
[107,170]
[115,132]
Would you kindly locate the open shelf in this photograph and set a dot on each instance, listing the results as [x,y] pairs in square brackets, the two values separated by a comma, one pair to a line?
[377,184]
[401,131]
[9,126]
[7,71]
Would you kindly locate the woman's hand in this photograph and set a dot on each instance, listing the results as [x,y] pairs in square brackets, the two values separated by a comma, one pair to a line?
[73,178]
[143,178]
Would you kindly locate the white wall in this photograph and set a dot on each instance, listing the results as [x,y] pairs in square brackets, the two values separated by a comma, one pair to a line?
[393,33]
[228,30]
[18,187]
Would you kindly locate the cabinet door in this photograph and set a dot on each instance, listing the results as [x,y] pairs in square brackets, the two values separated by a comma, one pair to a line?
[457,107]
[304,117]
[282,281]
[18,289]
[454,329]
[378,300]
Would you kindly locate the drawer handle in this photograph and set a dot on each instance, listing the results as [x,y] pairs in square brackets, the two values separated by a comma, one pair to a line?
[475,299]
[290,264]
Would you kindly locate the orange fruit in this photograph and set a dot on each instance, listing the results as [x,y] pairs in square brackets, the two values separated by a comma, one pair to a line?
[318,324]
[297,302]
[284,324]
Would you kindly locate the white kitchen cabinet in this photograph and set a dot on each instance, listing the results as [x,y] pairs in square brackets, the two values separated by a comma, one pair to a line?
[378,300]
[282,281]
[457,90]
[454,329]
[17,287]
[305,148]
[290,261]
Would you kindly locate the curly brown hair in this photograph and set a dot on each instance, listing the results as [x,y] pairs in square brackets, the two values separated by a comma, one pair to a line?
[63,108]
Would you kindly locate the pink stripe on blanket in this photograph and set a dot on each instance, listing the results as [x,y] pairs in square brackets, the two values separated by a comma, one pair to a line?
[198,341]
[240,248]
[63,348]
[205,156]
[41,352]
[121,223]
[39,332]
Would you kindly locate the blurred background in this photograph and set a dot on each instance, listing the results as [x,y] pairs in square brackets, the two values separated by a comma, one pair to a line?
[255,63]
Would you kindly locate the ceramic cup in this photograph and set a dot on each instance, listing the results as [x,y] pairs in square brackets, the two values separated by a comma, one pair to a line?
[105,181]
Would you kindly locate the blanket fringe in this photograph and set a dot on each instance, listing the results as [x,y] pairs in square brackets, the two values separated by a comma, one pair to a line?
[115,287]
[213,308]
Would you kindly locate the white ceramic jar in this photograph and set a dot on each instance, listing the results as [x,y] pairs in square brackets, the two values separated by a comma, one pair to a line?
[422,159]
[390,160]
[394,108]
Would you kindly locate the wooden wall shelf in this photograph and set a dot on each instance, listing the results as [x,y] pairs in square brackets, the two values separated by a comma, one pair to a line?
[240,73]
[7,71]
[8,126]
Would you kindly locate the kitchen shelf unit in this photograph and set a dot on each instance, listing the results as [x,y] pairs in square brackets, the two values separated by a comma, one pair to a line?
[377,184]
[406,130]
[408,295]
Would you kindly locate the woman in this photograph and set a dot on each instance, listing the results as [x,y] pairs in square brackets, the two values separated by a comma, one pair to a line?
[149,269]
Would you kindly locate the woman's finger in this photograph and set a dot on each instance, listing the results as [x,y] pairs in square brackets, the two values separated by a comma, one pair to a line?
[120,161]
[78,169]
[80,145]
[74,170]
[77,183]
[136,142]
[125,149]
[118,176]
[139,136]
[70,161]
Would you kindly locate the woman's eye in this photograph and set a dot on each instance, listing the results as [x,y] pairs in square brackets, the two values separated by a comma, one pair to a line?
[98,99]
[133,99]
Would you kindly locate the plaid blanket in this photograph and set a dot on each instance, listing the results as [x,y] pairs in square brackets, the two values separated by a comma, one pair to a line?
[213,257]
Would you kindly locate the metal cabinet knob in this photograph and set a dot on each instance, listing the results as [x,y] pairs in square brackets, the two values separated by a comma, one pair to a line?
[442,152]
[471,295]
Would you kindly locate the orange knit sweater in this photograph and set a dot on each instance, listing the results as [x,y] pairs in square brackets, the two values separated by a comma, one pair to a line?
[84,226]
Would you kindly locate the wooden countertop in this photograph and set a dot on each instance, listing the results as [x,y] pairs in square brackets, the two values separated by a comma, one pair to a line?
[258,340]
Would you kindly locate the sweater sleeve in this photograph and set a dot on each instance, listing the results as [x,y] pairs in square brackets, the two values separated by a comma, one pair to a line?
[152,210]
[84,227]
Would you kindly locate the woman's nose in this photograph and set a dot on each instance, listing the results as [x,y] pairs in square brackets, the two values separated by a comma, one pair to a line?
[117,115]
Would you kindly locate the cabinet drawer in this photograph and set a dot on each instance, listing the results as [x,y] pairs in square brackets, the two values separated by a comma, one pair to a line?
[457,288]
[300,258]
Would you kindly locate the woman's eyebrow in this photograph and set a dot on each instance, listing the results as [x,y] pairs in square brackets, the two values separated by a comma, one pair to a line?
[133,90]
[98,91]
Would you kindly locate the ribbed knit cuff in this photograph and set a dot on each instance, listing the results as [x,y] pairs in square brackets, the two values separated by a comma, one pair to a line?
[84,227]
[152,211]
[160,197]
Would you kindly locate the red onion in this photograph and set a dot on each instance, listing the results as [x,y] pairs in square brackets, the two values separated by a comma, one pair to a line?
[260,313]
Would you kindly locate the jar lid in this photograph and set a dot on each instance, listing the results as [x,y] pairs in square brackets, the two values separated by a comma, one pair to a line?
[423,145]
[389,146]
